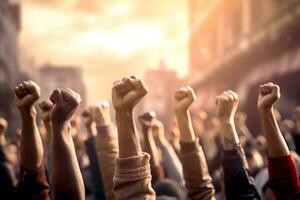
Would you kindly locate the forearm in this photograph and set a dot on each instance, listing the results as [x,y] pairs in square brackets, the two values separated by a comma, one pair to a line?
[107,151]
[185,127]
[230,138]
[245,132]
[48,128]
[31,143]
[277,146]
[67,179]
[197,179]
[150,147]
[129,144]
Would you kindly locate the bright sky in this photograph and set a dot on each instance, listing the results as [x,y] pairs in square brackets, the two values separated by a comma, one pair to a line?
[107,38]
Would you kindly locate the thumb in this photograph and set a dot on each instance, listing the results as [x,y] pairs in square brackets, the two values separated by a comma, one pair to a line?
[56,97]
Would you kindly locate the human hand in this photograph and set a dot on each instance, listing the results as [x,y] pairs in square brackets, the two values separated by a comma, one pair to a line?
[46,107]
[101,114]
[27,93]
[183,99]
[126,93]
[268,94]
[227,104]
[65,101]
[147,118]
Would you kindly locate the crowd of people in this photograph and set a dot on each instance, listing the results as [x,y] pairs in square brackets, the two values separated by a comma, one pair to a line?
[71,157]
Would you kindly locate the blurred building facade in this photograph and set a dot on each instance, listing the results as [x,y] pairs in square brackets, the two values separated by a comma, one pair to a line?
[239,44]
[162,83]
[9,66]
[53,76]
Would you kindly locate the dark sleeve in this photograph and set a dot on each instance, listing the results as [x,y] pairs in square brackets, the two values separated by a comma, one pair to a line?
[98,189]
[284,177]
[7,177]
[33,185]
[238,182]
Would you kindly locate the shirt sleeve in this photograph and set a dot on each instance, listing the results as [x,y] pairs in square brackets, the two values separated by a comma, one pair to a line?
[132,178]
[284,177]
[107,150]
[197,179]
[238,182]
[33,184]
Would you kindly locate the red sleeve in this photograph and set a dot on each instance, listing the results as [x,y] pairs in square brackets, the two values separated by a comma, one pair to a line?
[284,177]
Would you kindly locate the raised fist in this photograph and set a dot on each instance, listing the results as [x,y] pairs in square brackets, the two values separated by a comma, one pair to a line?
[147,118]
[268,94]
[65,101]
[227,104]
[158,131]
[183,99]
[27,93]
[126,93]
[3,125]
[46,107]
[87,117]
[100,113]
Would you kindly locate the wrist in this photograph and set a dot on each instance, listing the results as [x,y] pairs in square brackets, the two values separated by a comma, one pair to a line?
[181,113]
[60,126]
[226,122]
[29,113]
[265,110]
[103,121]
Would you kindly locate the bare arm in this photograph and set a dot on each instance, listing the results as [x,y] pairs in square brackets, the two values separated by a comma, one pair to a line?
[146,121]
[132,177]
[198,180]
[67,178]
[268,95]
[27,94]
[33,183]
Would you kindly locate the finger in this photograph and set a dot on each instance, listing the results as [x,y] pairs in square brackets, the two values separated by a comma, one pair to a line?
[128,84]
[17,91]
[71,97]
[22,91]
[133,77]
[234,94]
[32,87]
[221,99]
[265,89]
[45,105]
[104,104]
[228,95]
[191,92]
[181,93]
[276,90]
[86,112]
[56,97]
[119,87]
[139,85]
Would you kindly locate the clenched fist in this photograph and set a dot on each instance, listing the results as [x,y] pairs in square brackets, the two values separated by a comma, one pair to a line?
[147,118]
[126,93]
[183,99]
[3,126]
[268,94]
[227,104]
[65,103]
[100,114]
[27,93]
[46,107]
